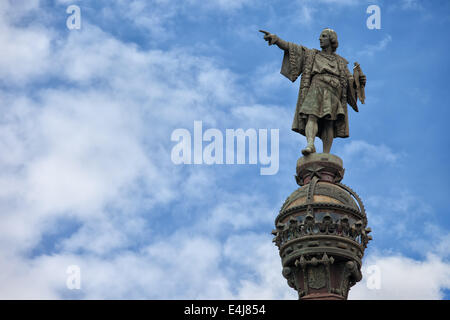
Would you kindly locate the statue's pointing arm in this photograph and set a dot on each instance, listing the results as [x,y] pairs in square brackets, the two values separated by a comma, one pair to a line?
[292,65]
[274,39]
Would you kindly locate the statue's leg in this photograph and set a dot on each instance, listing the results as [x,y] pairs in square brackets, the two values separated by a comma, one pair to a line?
[310,131]
[327,135]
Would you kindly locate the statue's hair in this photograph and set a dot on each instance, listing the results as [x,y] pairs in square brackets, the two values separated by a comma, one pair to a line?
[333,38]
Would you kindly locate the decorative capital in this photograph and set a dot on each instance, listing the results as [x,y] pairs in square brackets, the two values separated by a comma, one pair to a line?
[325,166]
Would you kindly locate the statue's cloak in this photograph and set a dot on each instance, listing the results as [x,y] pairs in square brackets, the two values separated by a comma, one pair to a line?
[298,60]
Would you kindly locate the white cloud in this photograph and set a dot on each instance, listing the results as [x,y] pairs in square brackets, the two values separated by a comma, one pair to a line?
[307,11]
[268,79]
[362,153]
[256,255]
[95,149]
[402,215]
[340,2]
[74,150]
[226,5]
[236,213]
[371,49]
[262,116]
[306,14]
[182,266]
[25,52]
[403,278]
[411,4]
[156,17]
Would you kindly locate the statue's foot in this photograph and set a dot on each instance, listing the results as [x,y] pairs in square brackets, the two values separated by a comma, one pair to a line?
[308,150]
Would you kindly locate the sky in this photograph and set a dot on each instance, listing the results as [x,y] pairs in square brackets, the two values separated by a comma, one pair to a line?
[87,177]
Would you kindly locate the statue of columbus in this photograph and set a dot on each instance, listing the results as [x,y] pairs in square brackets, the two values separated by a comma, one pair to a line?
[326,87]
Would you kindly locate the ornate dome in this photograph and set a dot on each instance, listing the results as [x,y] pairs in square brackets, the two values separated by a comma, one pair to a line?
[322,223]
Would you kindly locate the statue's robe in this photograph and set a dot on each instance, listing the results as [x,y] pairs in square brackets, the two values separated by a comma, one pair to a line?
[326,87]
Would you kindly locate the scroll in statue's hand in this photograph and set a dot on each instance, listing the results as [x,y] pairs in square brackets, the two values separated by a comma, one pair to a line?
[362,80]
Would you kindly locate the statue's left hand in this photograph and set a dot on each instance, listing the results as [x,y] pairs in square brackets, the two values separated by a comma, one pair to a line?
[362,80]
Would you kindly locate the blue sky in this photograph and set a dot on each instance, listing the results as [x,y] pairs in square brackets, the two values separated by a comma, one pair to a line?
[86,176]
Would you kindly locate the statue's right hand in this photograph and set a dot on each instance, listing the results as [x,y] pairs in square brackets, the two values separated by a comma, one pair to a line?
[269,37]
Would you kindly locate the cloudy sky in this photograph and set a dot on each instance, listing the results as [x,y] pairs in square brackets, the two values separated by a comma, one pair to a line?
[86,174]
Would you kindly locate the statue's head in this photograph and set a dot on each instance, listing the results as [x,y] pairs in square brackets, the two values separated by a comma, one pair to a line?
[328,37]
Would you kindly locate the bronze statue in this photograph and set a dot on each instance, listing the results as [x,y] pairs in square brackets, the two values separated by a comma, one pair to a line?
[326,87]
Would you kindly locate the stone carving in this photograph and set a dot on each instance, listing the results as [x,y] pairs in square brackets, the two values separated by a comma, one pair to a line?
[316,272]
[316,277]
[327,225]
[344,226]
[309,224]
[321,233]
[295,229]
